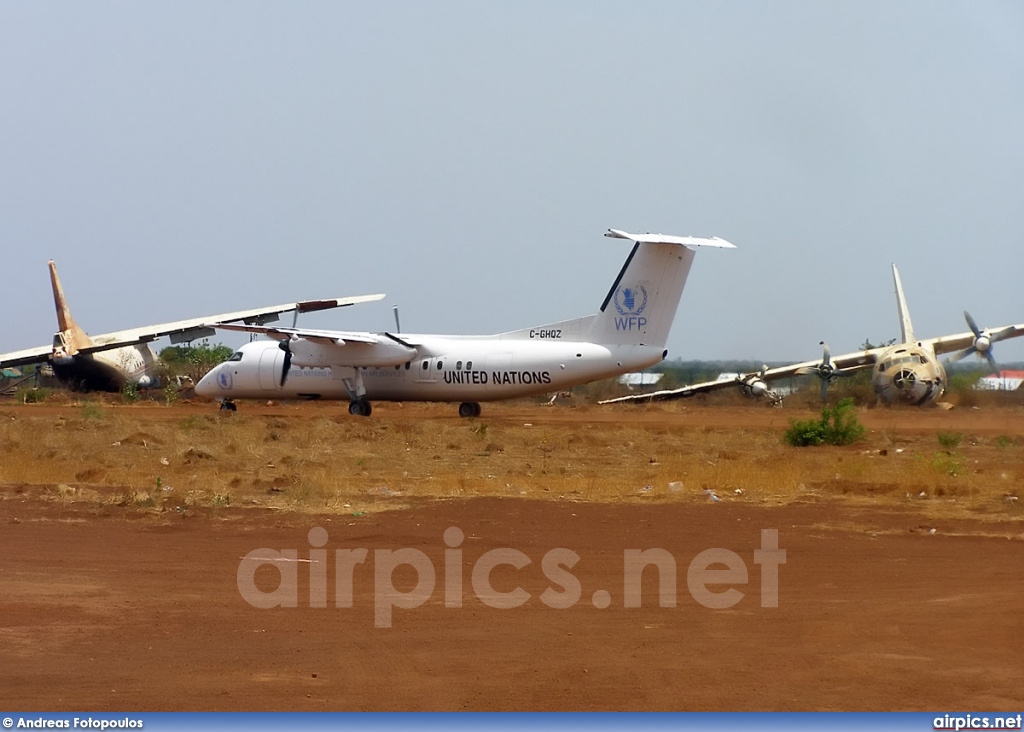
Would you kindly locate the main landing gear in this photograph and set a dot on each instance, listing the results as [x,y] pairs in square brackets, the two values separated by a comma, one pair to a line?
[360,408]
[469,409]
[226,405]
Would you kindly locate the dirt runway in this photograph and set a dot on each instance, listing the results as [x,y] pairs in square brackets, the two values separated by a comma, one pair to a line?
[104,609]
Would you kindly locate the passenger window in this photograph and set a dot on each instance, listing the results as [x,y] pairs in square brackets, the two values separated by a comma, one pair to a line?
[469,365]
[426,365]
[458,365]
[439,365]
[407,365]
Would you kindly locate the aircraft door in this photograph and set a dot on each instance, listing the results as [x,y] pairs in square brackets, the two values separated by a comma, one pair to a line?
[271,361]
[427,370]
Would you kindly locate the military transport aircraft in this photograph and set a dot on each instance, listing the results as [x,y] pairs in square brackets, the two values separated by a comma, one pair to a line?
[107,362]
[907,372]
[627,333]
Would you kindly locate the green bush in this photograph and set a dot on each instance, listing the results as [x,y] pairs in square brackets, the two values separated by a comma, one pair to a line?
[950,440]
[32,396]
[838,426]
[130,392]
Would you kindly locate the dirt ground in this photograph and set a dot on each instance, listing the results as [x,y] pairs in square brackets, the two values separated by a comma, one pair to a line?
[881,605]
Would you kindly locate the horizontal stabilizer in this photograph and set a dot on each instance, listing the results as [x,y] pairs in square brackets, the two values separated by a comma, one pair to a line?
[689,241]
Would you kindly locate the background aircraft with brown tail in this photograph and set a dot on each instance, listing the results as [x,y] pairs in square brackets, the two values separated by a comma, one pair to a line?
[110,361]
[628,332]
[906,372]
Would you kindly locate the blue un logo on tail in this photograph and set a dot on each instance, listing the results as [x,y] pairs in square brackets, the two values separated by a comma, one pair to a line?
[630,302]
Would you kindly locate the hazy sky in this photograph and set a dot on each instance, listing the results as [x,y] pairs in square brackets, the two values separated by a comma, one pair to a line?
[179,159]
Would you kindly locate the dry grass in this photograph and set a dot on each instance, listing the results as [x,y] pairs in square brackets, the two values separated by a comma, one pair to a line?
[324,460]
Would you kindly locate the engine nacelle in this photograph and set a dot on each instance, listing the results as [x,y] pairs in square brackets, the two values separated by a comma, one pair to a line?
[755,386]
[308,354]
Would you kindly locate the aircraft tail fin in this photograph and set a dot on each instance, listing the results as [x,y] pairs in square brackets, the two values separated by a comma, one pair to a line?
[906,327]
[643,300]
[74,337]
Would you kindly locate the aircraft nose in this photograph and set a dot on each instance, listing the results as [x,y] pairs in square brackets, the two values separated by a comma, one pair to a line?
[207,385]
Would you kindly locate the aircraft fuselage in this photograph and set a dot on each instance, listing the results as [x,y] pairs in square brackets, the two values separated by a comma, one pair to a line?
[106,370]
[452,369]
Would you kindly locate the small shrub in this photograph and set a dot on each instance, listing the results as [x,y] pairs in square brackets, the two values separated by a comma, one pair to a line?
[129,392]
[804,433]
[170,394]
[32,396]
[950,440]
[838,426]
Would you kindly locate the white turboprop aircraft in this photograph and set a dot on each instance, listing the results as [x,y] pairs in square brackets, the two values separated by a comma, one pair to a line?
[628,333]
[107,362]
[908,372]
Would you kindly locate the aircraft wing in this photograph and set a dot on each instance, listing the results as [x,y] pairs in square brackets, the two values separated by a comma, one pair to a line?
[186,330]
[325,337]
[40,354]
[846,363]
[335,347]
[960,341]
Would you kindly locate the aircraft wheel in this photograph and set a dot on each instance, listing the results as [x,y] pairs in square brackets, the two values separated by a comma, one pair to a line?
[360,408]
[228,406]
[469,409]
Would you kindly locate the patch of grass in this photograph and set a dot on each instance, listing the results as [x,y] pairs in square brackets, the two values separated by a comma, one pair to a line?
[325,461]
[948,464]
[950,440]
[91,411]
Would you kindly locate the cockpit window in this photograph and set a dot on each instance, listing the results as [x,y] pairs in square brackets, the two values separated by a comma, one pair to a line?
[236,356]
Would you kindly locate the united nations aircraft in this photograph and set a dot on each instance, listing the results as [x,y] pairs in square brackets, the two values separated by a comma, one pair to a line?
[907,372]
[110,361]
[628,332]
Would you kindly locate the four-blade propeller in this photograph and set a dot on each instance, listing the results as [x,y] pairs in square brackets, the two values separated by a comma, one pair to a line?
[827,371]
[982,345]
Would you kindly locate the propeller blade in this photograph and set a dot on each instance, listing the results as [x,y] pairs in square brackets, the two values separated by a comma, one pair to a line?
[960,355]
[971,324]
[398,326]
[1002,334]
[827,355]
[992,362]
[824,389]
[285,346]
